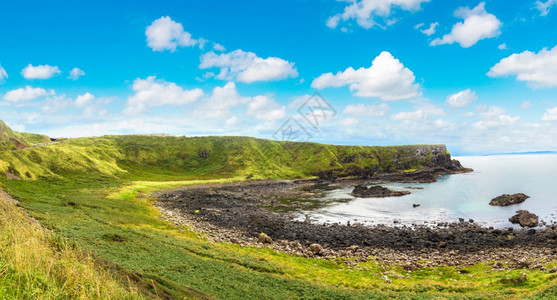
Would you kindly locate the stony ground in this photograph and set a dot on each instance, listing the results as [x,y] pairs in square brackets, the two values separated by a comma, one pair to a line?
[256,213]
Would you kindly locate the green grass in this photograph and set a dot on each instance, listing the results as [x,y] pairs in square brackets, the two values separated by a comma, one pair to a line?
[93,193]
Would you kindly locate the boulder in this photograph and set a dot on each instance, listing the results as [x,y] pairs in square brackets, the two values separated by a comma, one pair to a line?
[506,199]
[265,239]
[375,191]
[524,218]
[316,249]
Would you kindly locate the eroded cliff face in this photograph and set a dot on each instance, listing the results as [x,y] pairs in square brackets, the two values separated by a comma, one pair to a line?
[412,162]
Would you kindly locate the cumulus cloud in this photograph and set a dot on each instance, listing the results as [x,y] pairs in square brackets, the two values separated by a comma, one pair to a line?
[84,100]
[151,92]
[462,98]
[488,111]
[544,7]
[221,100]
[247,67]
[477,25]
[422,112]
[550,115]
[265,108]
[367,110]
[502,47]
[166,34]
[369,13]
[430,30]
[349,122]
[40,71]
[497,121]
[539,70]
[387,78]
[3,75]
[26,94]
[75,73]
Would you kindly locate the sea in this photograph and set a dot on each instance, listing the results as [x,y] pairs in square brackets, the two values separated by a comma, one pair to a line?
[453,197]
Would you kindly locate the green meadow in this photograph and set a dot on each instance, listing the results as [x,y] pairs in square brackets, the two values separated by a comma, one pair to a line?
[98,235]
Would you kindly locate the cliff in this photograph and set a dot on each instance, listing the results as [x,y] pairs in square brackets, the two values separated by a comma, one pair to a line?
[140,157]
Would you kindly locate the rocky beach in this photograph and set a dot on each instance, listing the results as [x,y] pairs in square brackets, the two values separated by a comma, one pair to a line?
[259,213]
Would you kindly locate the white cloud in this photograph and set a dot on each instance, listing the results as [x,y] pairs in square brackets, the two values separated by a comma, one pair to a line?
[75,73]
[3,75]
[502,47]
[265,108]
[367,110]
[525,104]
[462,98]
[369,13]
[423,111]
[550,115]
[387,78]
[151,92]
[468,114]
[84,100]
[544,7]
[40,71]
[539,70]
[488,111]
[165,34]
[410,115]
[218,104]
[218,47]
[26,94]
[477,25]
[349,122]
[431,30]
[497,121]
[333,21]
[247,67]
[299,101]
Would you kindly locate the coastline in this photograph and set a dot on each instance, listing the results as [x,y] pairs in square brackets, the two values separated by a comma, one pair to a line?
[239,212]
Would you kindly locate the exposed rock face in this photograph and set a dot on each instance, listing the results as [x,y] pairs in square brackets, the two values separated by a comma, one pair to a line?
[376,191]
[506,199]
[524,218]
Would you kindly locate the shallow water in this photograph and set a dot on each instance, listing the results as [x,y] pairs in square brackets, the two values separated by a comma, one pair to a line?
[457,196]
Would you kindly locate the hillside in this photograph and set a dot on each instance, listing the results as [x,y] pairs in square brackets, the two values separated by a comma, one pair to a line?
[210,157]
[93,196]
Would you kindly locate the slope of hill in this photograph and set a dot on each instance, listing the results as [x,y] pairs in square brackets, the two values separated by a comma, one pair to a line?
[93,193]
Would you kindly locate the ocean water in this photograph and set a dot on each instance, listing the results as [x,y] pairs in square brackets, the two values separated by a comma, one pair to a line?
[456,196]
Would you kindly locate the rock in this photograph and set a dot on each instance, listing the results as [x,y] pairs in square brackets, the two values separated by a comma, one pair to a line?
[265,239]
[506,199]
[375,191]
[414,187]
[524,218]
[234,241]
[553,270]
[386,279]
[415,205]
[316,249]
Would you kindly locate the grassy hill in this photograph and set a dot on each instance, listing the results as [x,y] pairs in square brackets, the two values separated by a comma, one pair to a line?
[91,194]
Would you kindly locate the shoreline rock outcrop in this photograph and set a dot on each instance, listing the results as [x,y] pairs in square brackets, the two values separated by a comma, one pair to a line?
[506,199]
[525,219]
[376,191]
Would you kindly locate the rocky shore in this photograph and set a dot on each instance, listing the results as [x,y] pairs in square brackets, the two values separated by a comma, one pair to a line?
[241,212]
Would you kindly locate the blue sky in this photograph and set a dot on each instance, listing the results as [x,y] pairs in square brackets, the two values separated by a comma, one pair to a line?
[479,76]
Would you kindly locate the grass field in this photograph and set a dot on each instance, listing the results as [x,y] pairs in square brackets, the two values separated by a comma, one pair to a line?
[92,196]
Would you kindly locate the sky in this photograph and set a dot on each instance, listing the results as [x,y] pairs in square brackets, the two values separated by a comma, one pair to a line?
[478,76]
